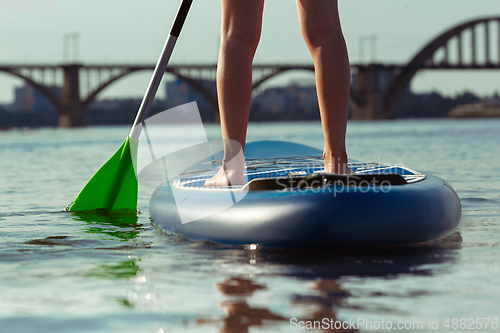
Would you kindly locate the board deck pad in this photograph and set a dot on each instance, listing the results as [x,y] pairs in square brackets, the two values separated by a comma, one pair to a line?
[284,168]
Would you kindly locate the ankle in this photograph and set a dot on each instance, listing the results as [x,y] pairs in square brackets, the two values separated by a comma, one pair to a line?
[335,157]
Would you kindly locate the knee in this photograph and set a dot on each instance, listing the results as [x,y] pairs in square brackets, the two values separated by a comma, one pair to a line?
[246,38]
[317,35]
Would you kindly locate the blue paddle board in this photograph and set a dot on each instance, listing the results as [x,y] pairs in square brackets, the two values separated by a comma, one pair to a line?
[288,203]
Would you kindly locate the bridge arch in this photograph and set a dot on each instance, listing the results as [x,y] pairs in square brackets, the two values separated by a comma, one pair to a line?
[283,69]
[45,91]
[424,58]
[196,85]
[54,99]
[192,82]
[276,71]
[209,96]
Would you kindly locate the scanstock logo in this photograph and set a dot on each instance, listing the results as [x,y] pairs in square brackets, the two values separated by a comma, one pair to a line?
[174,153]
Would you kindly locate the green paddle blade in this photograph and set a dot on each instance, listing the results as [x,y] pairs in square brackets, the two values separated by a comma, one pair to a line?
[114,186]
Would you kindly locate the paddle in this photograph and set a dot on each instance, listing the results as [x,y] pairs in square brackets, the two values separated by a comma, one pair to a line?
[114,186]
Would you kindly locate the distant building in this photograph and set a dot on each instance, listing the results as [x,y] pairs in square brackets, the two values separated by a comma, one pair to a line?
[113,104]
[28,99]
[272,100]
[485,108]
[180,92]
[285,103]
[279,103]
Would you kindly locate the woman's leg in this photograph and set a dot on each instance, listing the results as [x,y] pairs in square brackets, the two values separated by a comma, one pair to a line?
[240,34]
[320,25]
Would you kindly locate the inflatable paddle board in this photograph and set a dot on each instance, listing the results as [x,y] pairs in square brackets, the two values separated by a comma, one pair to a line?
[288,203]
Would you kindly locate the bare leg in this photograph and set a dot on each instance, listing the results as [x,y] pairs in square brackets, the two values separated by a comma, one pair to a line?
[240,34]
[320,26]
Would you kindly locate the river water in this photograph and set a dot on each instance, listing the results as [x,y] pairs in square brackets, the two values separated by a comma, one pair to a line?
[61,272]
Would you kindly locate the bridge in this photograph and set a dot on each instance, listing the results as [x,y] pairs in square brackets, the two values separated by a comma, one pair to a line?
[379,87]
[375,89]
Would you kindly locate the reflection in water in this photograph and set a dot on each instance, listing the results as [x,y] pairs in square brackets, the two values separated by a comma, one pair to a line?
[115,270]
[120,224]
[127,269]
[240,316]
[424,259]
[324,269]
[322,307]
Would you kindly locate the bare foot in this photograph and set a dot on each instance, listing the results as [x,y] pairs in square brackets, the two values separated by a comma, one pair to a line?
[334,164]
[230,174]
[227,177]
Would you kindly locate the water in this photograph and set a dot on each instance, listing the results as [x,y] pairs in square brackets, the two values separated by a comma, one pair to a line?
[62,272]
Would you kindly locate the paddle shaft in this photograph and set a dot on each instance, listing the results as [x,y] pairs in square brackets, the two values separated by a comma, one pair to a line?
[161,67]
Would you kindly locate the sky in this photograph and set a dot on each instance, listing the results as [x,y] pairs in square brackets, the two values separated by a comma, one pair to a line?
[133,31]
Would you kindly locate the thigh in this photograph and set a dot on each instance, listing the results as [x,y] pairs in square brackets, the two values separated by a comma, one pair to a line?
[242,18]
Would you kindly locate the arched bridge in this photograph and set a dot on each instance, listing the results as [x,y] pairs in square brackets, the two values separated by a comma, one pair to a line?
[82,83]
[375,89]
[467,46]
